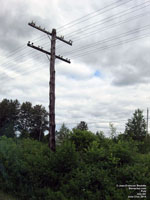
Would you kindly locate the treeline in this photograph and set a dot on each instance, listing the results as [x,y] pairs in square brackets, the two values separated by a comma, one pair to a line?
[85,166]
[23,119]
[26,120]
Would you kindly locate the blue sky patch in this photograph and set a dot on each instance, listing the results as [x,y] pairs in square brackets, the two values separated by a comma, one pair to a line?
[97,73]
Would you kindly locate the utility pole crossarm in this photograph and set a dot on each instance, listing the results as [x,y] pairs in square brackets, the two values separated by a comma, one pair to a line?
[48,33]
[38,48]
[63,59]
[48,53]
[65,41]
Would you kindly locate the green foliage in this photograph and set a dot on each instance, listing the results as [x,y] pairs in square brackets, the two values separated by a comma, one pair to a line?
[4,196]
[82,126]
[136,127]
[25,116]
[62,134]
[82,139]
[30,170]
[33,121]
[85,166]
[29,121]
[9,111]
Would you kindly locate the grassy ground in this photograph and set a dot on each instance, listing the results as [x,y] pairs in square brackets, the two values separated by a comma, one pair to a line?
[4,196]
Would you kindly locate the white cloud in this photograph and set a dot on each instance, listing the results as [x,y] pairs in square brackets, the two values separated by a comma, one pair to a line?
[100,87]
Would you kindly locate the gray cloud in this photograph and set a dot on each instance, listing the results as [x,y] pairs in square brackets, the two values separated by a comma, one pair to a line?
[122,85]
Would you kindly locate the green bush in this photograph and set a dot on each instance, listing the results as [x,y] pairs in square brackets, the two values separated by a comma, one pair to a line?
[82,139]
[85,167]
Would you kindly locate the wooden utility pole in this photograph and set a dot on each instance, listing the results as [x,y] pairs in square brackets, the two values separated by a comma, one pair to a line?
[147,122]
[52,93]
[53,35]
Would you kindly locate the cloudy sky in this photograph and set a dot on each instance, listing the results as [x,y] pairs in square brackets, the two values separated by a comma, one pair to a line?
[108,77]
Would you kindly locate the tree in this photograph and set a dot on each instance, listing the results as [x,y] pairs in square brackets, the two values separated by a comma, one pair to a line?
[62,134]
[82,126]
[82,139]
[112,130]
[9,113]
[136,127]
[28,120]
[39,122]
[33,121]
[25,119]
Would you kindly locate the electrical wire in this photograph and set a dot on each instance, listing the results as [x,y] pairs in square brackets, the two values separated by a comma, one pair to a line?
[140,4]
[108,47]
[58,48]
[104,48]
[96,13]
[59,28]
[108,19]
[110,39]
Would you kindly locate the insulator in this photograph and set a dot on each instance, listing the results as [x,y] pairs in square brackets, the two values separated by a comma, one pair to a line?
[33,23]
[62,37]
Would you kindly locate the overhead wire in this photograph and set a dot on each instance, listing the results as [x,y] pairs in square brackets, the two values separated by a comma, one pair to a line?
[108,19]
[24,73]
[109,39]
[79,19]
[108,47]
[59,28]
[101,49]
[100,42]
[101,29]
[140,4]
[96,122]
[58,47]
[82,19]
[111,18]
[22,47]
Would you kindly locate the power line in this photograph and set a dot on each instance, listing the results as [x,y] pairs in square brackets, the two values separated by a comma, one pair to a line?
[108,47]
[79,19]
[108,19]
[82,19]
[87,35]
[102,29]
[117,13]
[17,57]
[120,36]
[105,48]
[62,27]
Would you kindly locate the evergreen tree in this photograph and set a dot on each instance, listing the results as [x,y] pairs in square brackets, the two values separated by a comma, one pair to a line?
[82,126]
[62,134]
[136,127]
